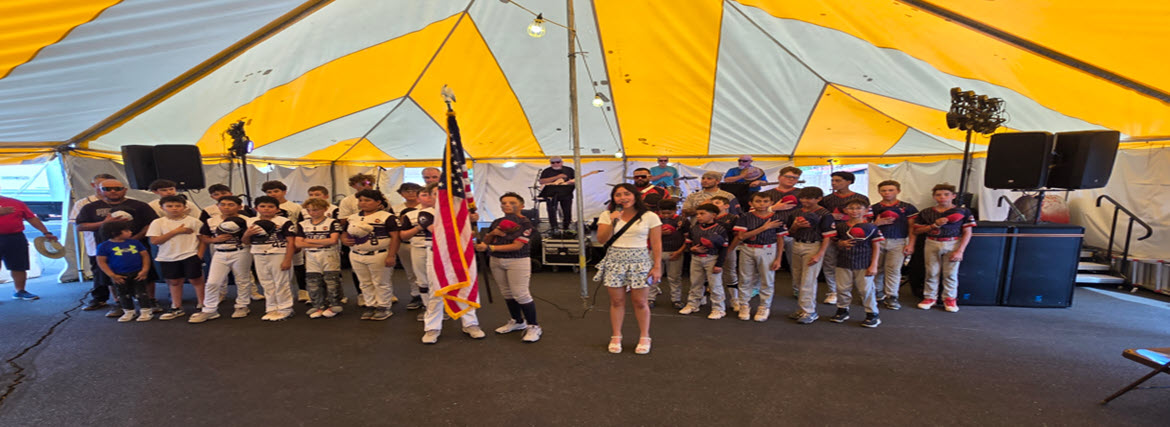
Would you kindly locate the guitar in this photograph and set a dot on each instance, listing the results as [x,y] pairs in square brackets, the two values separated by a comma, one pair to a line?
[562,181]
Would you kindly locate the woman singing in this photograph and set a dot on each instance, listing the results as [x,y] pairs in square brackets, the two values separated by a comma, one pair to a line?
[626,229]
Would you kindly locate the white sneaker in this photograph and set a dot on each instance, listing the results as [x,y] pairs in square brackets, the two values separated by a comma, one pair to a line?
[127,316]
[146,315]
[688,309]
[257,296]
[202,316]
[327,313]
[716,314]
[762,314]
[345,300]
[532,334]
[302,295]
[315,313]
[393,299]
[240,313]
[431,337]
[511,326]
[745,311]
[831,299]
[474,332]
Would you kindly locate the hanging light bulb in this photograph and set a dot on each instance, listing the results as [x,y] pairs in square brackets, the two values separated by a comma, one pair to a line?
[599,100]
[536,28]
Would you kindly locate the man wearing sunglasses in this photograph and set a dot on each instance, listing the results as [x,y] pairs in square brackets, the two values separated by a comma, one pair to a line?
[743,174]
[93,215]
[651,194]
[663,175]
[557,180]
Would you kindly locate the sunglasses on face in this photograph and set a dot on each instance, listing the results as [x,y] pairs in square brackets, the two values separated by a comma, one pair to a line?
[555,163]
[641,176]
[662,160]
[744,161]
[113,188]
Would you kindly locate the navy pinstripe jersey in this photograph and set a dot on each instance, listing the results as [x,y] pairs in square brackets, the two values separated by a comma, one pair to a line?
[820,221]
[858,256]
[713,233]
[520,234]
[674,236]
[950,229]
[751,221]
[727,220]
[835,203]
[776,194]
[899,229]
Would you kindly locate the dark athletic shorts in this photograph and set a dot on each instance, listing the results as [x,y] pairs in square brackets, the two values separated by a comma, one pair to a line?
[189,268]
[14,251]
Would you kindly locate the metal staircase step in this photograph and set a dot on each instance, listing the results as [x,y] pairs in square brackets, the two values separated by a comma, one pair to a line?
[1102,279]
[1091,266]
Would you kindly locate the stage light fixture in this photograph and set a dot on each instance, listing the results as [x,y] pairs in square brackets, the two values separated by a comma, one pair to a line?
[536,28]
[618,155]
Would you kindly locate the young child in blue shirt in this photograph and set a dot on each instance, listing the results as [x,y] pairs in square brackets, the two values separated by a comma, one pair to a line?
[127,262]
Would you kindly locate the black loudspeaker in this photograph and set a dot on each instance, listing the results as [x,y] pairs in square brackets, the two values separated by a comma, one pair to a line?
[180,163]
[1084,159]
[139,161]
[1043,266]
[981,274]
[1018,160]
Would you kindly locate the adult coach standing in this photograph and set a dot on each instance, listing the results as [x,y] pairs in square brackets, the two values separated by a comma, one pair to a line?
[13,244]
[93,215]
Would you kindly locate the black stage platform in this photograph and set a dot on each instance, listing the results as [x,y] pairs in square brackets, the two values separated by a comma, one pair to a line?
[981,366]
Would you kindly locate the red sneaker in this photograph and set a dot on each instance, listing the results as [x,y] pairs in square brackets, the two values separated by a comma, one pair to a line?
[951,305]
[926,304]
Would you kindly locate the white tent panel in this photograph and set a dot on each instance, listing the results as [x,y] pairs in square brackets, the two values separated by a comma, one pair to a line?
[842,58]
[410,133]
[287,55]
[763,96]
[108,63]
[917,142]
[538,69]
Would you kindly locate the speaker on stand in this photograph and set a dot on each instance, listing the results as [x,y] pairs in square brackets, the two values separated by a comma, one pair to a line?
[147,163]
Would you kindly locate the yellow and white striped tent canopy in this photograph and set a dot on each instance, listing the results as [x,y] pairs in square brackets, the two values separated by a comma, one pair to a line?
[357,81]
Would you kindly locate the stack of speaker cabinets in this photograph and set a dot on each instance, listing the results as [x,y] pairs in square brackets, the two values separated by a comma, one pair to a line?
[180,163]
[1022,265]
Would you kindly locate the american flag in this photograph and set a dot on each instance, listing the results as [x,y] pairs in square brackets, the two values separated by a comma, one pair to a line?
[453,251]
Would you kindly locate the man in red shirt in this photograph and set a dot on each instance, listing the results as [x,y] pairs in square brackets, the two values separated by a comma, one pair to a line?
[13,244]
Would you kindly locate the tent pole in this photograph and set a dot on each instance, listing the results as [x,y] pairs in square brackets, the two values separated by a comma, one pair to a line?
[576,135]
[966,171]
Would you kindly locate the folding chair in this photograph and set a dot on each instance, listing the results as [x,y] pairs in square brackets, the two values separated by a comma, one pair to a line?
[1156,358]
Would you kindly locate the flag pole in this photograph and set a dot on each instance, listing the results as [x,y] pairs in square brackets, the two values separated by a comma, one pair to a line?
[582,253]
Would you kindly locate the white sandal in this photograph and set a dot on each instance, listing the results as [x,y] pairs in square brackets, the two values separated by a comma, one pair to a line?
[643,346]
[615,347]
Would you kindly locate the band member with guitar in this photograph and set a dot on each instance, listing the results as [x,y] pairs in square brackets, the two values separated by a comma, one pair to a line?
[746,173]
[559,182]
